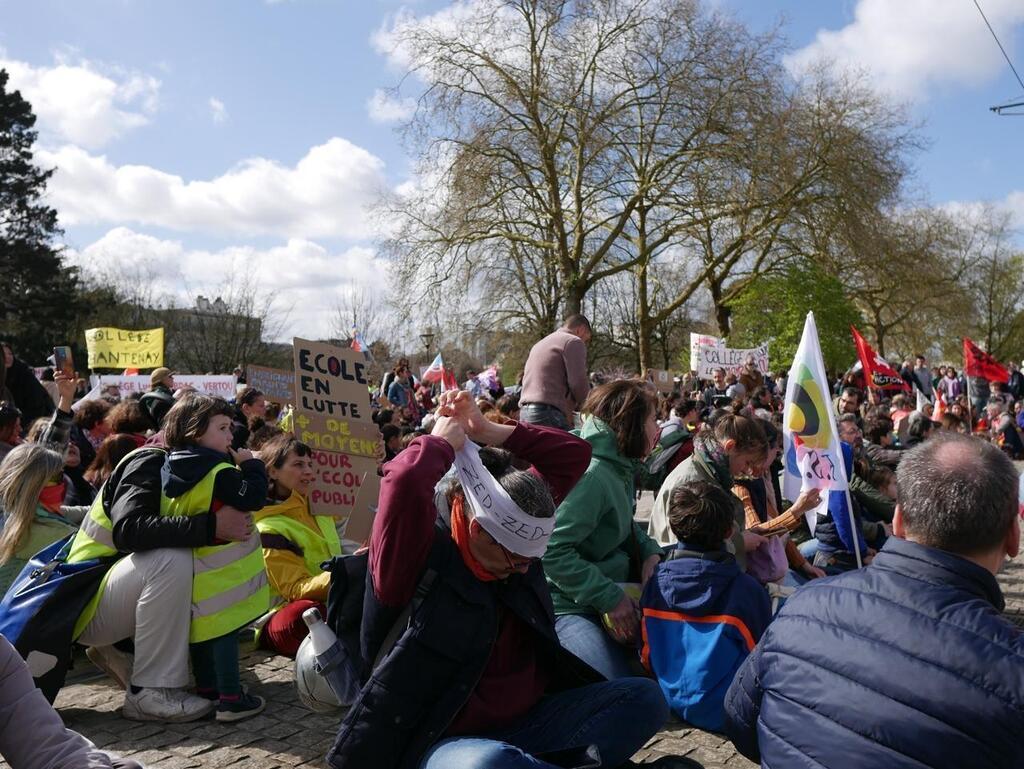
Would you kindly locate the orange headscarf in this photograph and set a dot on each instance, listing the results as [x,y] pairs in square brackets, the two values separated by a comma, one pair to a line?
[460,533]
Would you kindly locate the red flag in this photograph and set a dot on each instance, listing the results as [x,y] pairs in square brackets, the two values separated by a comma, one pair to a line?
[448,381]
[979,363]
[940,406]
[877,371]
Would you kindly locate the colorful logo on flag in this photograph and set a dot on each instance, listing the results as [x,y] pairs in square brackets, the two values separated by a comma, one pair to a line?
[808,417]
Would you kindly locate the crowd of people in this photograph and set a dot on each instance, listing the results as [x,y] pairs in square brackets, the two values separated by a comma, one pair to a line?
[516,612]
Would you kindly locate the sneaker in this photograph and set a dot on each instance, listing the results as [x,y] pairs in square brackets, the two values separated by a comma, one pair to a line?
[214,695]
[245,706]
[112,661]
[170,705]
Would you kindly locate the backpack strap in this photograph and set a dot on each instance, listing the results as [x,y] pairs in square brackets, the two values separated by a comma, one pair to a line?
[402,623]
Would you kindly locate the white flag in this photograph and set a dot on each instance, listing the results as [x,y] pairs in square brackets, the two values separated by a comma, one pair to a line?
[922,400]
[813,456]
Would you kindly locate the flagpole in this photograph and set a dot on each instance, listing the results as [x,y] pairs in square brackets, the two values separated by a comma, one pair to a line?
[970,403]
[853,525]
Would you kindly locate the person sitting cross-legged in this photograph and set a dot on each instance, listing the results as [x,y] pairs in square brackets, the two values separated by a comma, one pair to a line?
[701,614]
[478,677]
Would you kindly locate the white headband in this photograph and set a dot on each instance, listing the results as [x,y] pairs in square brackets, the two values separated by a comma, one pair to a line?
[500,517]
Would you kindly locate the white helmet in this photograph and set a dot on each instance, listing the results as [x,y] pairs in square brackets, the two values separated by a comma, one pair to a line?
[314,692]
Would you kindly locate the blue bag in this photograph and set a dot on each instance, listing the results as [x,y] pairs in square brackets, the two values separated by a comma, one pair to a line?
[39,611]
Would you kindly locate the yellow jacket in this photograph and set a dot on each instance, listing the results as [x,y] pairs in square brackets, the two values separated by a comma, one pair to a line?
[294,543]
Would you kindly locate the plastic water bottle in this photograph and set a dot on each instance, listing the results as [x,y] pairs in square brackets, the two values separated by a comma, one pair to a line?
[332,661]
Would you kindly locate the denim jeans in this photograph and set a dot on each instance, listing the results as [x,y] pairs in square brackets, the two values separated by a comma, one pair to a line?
[585,636]
[808,549]
[543,414]
[616,716]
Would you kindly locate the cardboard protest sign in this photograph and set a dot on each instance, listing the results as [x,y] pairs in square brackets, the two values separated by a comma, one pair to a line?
[661,379]
[346,486]
[222,385]
[332,416]
[276,384]
[122,348]
[332,399]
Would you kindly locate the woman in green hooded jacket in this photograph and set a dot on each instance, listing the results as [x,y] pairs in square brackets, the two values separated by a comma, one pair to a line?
[596,545]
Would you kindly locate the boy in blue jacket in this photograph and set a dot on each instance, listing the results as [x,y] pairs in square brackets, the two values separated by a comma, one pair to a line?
[702,616]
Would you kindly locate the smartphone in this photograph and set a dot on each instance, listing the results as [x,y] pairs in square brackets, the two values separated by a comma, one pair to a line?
[63,360]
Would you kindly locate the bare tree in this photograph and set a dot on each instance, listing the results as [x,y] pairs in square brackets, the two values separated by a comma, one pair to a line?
[537,151]
[995,282]
[562,145]
[362,309]
[232,329]
[903,270]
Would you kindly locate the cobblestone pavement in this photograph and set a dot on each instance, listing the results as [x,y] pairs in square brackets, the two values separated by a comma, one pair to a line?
[288,735]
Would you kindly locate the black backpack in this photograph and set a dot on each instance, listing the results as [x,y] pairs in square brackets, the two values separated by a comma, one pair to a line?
[346,597]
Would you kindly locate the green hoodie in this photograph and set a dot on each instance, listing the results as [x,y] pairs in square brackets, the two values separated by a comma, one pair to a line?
[595,534]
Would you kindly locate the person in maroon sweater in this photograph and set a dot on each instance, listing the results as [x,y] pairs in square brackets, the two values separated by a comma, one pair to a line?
[519,713]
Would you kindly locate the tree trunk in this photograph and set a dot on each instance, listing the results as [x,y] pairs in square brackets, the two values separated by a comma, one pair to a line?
[722,311]
[644,329]
[574,296]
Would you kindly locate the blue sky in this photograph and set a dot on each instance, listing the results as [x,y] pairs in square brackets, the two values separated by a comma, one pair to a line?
[193,136]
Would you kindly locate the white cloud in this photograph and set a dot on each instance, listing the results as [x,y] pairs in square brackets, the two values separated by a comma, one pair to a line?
[1014,203]
[306,279]
[326,194]
[77,102]
[470,20]
[382,107]
[912,46]
[218,112]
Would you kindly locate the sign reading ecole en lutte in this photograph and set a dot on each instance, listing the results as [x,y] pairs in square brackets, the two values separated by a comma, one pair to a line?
[332,416]
[121,348]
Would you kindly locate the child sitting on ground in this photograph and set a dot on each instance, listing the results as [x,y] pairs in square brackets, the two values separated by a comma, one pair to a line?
[702,615]
[883,479]
[229,582]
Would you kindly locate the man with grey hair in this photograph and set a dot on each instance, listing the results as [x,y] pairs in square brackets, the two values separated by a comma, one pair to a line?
[908,662]
[478,676]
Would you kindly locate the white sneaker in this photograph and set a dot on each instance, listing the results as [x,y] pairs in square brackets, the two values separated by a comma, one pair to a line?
[171,705]
[112,661]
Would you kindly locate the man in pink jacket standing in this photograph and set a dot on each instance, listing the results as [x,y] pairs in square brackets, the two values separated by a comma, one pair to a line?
[555,379]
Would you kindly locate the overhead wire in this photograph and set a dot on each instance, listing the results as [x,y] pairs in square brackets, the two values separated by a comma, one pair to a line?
[996,38]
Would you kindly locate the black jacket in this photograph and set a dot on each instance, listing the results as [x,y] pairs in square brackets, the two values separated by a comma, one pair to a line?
[157,402]
[245,489]
[29,395]
[131,498]
[423,683]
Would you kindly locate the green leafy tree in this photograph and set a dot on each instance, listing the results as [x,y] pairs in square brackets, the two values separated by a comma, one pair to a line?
[39,303]
[775,307]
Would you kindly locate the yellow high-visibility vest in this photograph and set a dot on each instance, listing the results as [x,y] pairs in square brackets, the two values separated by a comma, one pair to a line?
[229,581]
[317,546]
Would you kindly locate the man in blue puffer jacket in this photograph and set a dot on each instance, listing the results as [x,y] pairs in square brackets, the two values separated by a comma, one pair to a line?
[908,663]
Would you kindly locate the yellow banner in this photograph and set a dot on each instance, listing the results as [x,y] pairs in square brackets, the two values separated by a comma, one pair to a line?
[122,348]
